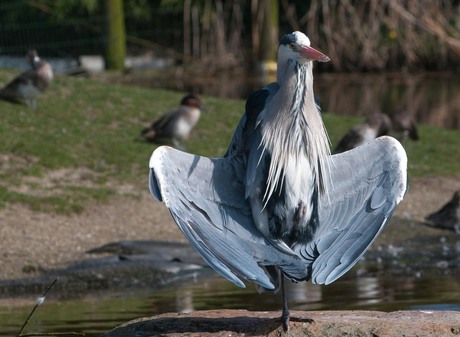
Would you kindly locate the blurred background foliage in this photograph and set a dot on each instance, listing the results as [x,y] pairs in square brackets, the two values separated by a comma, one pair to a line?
[365,35]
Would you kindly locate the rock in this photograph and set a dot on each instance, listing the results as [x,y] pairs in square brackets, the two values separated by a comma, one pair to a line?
[303,323]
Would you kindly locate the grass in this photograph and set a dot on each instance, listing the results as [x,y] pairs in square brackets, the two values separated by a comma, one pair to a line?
[81,123]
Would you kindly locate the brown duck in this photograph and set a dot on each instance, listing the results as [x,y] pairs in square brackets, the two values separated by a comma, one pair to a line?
[31,83]
[375,125]
[175,124]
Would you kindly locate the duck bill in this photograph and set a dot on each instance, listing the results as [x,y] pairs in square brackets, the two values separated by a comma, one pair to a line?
[313,54]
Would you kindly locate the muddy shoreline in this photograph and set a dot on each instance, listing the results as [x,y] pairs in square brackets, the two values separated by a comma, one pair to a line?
[37,247]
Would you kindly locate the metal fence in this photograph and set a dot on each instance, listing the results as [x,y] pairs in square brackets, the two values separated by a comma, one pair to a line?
[358,35]
[24,25]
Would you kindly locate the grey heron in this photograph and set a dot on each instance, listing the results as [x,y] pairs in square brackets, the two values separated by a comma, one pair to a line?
[375,125]
[31,83]
[277,204]
[175,124]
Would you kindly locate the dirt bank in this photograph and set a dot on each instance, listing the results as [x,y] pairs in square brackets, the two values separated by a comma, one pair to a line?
[34,241]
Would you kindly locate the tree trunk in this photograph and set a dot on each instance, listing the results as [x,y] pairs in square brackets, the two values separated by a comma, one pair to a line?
[269,34]
[116,36]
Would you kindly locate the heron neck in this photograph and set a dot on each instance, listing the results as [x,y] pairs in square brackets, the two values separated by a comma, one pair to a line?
[292,127]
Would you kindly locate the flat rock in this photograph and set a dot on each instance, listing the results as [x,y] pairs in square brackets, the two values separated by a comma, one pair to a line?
[303,323]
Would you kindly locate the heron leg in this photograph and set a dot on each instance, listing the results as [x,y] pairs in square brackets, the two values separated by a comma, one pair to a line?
[285,314]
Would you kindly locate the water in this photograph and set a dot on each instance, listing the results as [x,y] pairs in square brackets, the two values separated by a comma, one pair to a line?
[410,267]
[432,98]
[94,316]
[97,315]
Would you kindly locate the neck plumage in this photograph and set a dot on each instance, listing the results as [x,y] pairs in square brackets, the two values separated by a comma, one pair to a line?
[292,128]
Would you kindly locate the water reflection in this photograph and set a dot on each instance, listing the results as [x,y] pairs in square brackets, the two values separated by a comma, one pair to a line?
[369,293]
[432,98]
[97,315]
[184,301]
[303,293]
[369,290]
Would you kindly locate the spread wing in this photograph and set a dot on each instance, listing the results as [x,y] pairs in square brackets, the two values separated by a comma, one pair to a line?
[206,199]
[365,186]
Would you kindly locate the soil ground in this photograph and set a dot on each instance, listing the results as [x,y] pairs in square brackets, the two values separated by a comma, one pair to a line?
[34,241]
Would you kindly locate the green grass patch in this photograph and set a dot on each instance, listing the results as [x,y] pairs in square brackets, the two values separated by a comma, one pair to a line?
[82,123]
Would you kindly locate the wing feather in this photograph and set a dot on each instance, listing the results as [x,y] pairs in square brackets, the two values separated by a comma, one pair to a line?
[206,199]
[365,186]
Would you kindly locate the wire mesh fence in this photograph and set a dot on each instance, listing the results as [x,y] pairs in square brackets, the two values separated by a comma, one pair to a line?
[33,24]
[357,35]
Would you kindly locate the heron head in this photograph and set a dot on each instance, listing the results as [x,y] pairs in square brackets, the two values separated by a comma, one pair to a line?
[296,46]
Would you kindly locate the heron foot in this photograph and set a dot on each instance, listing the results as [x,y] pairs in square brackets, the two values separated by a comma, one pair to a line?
[285,320]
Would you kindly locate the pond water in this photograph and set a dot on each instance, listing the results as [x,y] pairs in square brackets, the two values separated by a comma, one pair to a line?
[94,316]
[411,266]
[432,98]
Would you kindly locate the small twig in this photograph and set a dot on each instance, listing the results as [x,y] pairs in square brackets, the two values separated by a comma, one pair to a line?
[40,301]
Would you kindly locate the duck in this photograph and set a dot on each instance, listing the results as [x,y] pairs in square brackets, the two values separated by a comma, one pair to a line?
[30,84]
[403,125]
[448,216]
[375,125]
[176,124]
